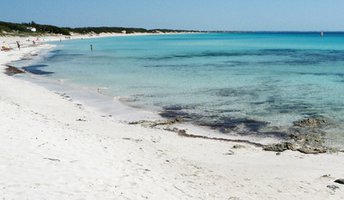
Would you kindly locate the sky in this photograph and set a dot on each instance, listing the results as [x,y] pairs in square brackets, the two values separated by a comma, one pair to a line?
[228,15]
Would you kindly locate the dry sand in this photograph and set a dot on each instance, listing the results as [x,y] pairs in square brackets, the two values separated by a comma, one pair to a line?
[54,148]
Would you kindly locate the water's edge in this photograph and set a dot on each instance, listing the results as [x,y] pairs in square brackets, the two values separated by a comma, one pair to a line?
[123,112]
[118,108]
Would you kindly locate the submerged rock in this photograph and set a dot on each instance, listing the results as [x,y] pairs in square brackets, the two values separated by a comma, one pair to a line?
[310,123]
[307,144]
[313,150]
[238,146]
[340,181]
[279,147]
[332,187]
[309,134]
[11,70]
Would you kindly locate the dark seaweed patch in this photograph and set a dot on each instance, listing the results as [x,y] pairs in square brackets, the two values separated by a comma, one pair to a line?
[289,62]
[222,121]
[230,92]
[62,57]
[225,123]
[258,103]
[56,51]
[197,55]
[171,114]
[228,64]
[234,92]
[217,65]
[289,56]
[173,107]
[248,127]
[168,66]
[35,69]
[176,111]
[290,107]
[320,74]
[225,111]
[279,51]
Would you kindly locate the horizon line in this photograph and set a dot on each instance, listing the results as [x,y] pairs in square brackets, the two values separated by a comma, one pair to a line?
[183,29]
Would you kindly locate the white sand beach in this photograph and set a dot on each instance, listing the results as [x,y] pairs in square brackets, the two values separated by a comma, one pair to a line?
[53,147]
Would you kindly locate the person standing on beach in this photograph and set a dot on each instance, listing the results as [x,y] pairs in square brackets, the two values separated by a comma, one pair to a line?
[18,45]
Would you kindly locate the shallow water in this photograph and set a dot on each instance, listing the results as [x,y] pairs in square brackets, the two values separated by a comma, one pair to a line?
[246,83]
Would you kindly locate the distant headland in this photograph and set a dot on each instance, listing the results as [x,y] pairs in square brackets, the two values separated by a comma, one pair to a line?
[33,28]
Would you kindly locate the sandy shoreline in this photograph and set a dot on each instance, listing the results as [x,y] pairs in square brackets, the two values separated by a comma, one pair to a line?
[55,147]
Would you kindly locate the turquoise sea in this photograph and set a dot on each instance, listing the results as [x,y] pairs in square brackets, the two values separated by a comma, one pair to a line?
[244,83]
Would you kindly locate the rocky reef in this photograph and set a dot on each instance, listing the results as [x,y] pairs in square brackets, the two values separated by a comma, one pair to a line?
[306,136]
[11,70]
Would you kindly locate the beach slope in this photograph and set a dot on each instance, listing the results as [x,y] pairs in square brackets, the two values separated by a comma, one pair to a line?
[53,147]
